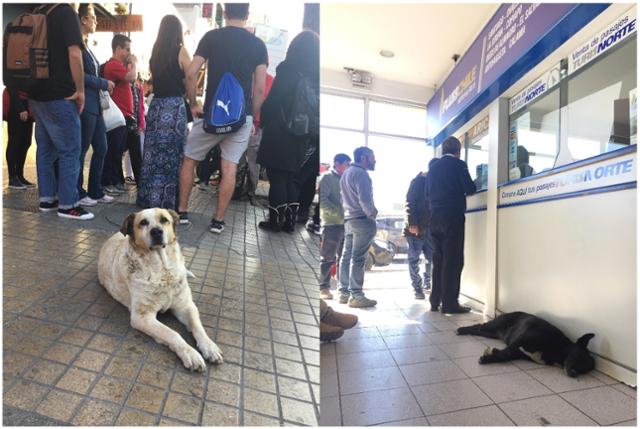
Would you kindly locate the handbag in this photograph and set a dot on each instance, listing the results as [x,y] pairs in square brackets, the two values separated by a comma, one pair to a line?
[104,99]
[113,117]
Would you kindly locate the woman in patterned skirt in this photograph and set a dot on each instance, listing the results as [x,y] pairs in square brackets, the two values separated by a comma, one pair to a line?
[166,120]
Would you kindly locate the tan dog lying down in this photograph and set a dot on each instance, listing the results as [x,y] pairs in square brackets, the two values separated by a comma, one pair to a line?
[142,267]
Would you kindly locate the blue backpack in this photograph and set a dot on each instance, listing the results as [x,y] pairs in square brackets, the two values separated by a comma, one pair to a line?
[226,112]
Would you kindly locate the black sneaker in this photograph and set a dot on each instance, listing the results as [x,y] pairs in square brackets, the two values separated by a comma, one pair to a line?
[418,294]
[26,183]
[216,226]
[184,218]
[15,183]
[77,213]
[48,207]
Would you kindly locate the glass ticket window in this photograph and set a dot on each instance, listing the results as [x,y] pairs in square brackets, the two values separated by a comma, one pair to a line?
[534,136]
[476,144]
[610,84]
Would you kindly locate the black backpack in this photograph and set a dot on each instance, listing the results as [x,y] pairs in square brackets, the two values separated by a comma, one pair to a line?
[302,119]
[25,61]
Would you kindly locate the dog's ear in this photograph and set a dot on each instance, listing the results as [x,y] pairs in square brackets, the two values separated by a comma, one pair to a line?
[127,225]
[176,218]
[584,340]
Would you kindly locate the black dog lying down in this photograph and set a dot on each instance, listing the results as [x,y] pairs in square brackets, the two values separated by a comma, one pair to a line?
[530,337]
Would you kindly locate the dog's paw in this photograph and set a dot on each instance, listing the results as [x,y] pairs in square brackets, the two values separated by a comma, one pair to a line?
[460,331]
[211,351]
[192,360]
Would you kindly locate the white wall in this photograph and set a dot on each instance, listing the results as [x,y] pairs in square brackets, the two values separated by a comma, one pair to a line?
[473,283]
[339,80]
[573,262]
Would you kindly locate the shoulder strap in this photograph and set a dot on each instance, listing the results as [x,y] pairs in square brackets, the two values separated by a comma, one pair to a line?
[41,8]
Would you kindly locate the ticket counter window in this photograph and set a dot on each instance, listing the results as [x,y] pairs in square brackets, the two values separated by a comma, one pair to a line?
[477,158]
[601,104]
[534,136]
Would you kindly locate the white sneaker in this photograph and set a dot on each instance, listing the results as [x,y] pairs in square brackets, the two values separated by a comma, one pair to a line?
[106,199]
[88,202]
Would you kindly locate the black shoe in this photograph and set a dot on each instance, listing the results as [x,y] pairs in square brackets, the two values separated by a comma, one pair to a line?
[15,183]
[290,216]
[76,213]
[418,294]
[456,310]
[26,183]
[216,226]
[276,217]
[184,218]
[48,207]
[435,308]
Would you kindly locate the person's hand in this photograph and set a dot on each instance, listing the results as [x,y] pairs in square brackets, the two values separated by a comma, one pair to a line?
[413,229]
[110,86]
[24,116]
[78,97]
[132,60]
[253,129]
[196,111]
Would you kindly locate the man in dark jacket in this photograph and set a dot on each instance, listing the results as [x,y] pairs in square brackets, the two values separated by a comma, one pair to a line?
[417,233]
[448,185]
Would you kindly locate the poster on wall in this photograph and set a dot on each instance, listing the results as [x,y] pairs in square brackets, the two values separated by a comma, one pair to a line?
[276,41]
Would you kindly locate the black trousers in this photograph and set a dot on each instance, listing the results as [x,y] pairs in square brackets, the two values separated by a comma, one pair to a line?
[306,182]
[283,188]
[447,234]
[19,140]
[135,154]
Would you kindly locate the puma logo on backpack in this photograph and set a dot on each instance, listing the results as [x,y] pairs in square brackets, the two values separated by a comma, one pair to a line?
[226,112]
[26,55]
[220,103]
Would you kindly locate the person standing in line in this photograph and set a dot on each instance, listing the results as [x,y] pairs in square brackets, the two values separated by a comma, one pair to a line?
[57,103]
[20,131]
[94,133]
[166,120]
[229,49]
[360,227]
[284,154]
[121,69]
[417,232]
[332,221]
[448,185]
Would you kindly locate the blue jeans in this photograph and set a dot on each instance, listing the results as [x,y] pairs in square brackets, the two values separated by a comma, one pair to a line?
[358,236]
[112,169]
[57,136]
[94,134]
[418,246]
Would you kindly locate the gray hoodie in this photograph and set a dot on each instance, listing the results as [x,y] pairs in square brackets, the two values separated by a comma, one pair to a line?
[357,193]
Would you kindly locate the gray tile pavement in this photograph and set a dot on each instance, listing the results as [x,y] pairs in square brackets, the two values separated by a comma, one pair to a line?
[70,356]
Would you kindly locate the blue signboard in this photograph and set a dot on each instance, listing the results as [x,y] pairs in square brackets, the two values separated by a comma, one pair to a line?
[514,32]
